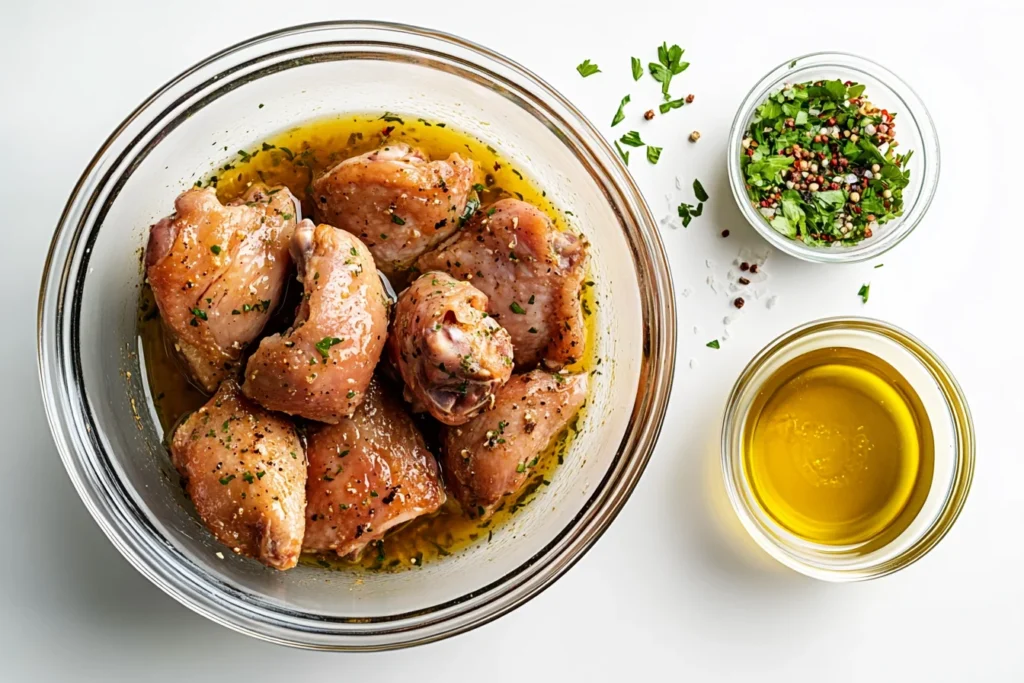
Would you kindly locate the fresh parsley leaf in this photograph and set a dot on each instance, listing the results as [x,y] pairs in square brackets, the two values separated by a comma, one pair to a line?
[620,116]
[665,107]
[688,212]
[713,344]
[653,154]
[864,291]
[325,344]
[516,308]
[669,64]
[638,68]
[698,191]
[586,68]
[622,153]
[632,138]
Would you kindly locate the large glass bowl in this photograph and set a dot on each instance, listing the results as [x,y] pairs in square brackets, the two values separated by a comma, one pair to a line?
[95,387]
[885,90]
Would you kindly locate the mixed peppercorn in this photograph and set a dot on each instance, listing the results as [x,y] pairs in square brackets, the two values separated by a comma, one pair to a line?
[820,163]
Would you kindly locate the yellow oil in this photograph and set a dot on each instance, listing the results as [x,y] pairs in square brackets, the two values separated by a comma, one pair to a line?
[838,449]
[293,158]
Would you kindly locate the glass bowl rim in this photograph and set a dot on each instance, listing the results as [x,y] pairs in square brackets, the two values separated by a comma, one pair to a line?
[917,115]
[964,444]
[141,544]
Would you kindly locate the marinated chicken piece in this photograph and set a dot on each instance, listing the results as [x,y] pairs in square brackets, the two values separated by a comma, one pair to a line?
[531,273]
[321,366]
[367,474]
[218,271]
[451,354]
[396,200]
[491,456]
[245,471]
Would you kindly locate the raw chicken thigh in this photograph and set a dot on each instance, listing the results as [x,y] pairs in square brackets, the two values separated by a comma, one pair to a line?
[245,471]
[217,272]
[320,368]
[451,354]
[396,200]
[531,274]
[491,456]
[367,474]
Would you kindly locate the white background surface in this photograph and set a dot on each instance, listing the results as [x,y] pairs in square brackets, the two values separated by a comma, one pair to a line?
[673,589]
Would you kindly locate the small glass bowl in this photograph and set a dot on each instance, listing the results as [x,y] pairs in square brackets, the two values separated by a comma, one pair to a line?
[953,433]
[885,90]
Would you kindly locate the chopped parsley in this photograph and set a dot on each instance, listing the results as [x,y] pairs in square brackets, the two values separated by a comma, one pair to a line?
[199,313]
[713,344]
[638,68]
[397,220]
[864,292]
[653,154]
[820,163]
[698,191]
[516,308]
[666,107]
[226,480]
[325,344]
[688,212]
[632,138]
[622,153]
[669,64]
[216,249]
[620,115]
[587,68]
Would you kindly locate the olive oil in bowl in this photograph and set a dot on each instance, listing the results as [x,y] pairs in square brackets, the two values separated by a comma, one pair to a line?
[838,448]
[847,449]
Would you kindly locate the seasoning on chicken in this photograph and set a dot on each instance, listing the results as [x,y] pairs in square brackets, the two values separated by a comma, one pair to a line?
[367,474]
[245,471]
[531,273]
[321,366]
[451,354]
[492,455]
[396,200]
[218,271]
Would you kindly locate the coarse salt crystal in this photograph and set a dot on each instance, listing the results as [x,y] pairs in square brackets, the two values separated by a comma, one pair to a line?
[693,363]
[772,300]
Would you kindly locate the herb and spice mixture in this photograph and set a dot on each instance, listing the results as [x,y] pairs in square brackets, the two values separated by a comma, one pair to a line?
[821,165]
[257,321]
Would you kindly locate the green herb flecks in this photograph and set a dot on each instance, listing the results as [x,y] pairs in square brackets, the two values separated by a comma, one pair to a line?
[587,68]
[653,154]
[698,191]
[713,344]
[620,115]
[632,138]
[864,292]
[669,64]
[638,68]
[325,344]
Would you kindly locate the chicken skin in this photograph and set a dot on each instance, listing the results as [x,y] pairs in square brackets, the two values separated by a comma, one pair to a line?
[451,354]
[245,471]
[492,455]
[218,271]
[396,200]
[367,474]
[320,368]
[531,273]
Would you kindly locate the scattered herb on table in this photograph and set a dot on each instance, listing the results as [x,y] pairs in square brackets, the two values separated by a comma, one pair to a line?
[587,68]
[687,212]
[632,138]
[665,107]
[638,68]
[698,191]
[713,344]
[820,163]
[620,115]
[653,154]
[864,292]
[622,153]
[669,64]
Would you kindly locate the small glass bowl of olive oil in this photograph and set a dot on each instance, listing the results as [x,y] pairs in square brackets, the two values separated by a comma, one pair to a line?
[847,449]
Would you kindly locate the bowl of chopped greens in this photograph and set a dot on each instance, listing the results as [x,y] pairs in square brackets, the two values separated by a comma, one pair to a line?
[833,158]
